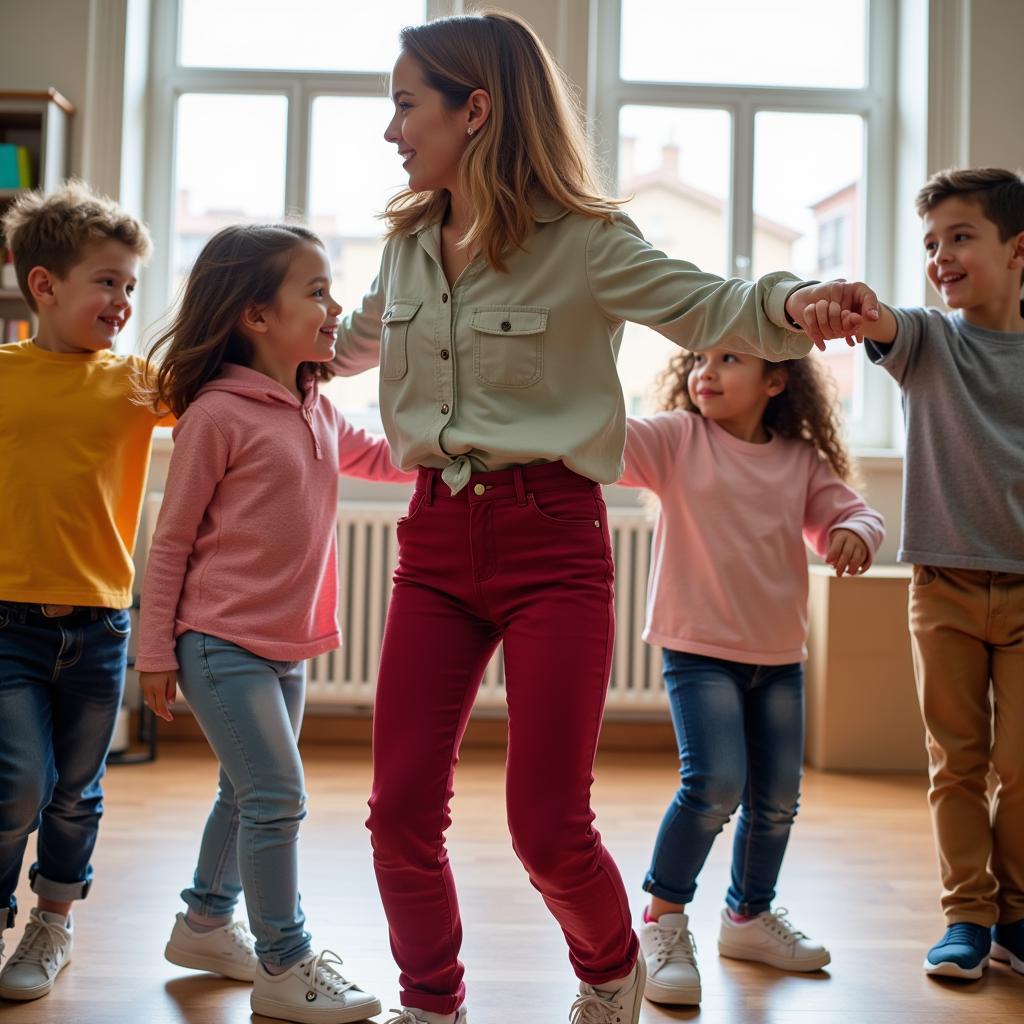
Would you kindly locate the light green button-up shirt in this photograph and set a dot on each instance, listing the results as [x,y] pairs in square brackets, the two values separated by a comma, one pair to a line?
[519,367]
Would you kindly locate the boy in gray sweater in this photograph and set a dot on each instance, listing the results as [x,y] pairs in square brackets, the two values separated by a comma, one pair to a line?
[962,380]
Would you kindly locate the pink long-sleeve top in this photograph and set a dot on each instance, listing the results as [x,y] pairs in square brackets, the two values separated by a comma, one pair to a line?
[244,547]
[728,564]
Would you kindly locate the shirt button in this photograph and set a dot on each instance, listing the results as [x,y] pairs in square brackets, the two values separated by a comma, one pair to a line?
[444,296]
[479,489]
[444,353]
[505,325]
[444,408]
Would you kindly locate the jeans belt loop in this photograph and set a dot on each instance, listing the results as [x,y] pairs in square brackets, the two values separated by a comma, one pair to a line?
[517,481]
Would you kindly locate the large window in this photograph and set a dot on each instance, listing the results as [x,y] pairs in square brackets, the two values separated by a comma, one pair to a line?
[746,150]
[266,110]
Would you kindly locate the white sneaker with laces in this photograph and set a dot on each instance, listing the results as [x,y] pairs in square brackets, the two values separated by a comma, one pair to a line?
[618,1006]
[412,1015]
[227,950]
[312,991]
[44,951]
[770,939]
[670,953]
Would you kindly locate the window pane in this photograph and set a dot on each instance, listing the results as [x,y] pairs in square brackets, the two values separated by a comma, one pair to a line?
[302,35]
[745,42]
[819,202]
[220,179]
[353,174]
[674,162]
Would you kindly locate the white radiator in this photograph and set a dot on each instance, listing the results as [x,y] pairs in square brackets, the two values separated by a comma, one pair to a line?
[367,553]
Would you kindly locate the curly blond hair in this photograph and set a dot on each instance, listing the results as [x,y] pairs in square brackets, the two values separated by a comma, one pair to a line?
[808,408]
[53,231]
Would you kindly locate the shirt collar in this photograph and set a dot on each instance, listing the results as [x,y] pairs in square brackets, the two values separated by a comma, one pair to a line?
[545,210]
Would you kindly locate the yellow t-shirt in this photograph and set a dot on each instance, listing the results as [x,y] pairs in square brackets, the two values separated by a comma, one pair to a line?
[74,456]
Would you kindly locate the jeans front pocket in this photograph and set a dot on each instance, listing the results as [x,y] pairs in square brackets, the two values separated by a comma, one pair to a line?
[394,338]
[508,345]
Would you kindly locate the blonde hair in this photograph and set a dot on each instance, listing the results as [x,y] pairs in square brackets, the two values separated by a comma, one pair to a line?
[53,231]
[532,146]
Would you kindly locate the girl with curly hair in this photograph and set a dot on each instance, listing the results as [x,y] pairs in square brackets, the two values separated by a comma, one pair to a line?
[748,464]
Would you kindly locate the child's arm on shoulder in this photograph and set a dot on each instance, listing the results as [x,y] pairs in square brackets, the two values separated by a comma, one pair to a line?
[198,463]
[838,524]
[367,456]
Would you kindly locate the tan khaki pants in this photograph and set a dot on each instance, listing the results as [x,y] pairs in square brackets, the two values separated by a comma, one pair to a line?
[967,628]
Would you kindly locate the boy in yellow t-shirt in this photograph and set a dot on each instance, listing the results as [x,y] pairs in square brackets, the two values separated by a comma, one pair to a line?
[74,454]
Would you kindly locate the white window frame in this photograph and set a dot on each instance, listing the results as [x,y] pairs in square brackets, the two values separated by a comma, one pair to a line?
[169,80]
[872,424]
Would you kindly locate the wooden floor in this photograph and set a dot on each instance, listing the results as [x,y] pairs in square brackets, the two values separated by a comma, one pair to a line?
[859,876]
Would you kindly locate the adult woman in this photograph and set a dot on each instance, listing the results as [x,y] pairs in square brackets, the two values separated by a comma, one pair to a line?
[502,293]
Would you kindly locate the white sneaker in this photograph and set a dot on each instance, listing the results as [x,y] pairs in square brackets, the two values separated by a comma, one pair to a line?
[227,950]
[770,939]
[311,992]
[670,953]
[412,1015]
[619,1006]
[44,951]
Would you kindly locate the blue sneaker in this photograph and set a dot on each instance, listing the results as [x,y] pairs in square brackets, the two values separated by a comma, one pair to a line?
[1008,944]
[962,952]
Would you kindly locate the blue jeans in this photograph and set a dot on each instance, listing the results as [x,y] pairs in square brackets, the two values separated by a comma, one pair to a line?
[61,681]
[250,710]
[740,730]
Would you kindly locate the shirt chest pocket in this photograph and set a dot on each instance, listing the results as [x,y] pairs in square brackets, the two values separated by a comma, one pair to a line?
[508,345]
[394,338]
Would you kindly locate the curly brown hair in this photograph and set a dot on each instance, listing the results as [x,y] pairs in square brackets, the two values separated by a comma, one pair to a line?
[808,408]
[239,266]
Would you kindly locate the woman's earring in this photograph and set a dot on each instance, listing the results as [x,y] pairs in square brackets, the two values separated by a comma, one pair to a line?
[469,131]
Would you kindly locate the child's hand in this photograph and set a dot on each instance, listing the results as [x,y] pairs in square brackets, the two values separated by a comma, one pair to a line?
[834,309]
[158,691]
[847,553]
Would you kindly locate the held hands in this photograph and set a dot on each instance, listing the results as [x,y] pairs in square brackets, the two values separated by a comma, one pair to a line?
[834,309]
[158,691]
[847,553]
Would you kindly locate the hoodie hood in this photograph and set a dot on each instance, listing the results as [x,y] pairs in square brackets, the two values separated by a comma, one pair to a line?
[258,387]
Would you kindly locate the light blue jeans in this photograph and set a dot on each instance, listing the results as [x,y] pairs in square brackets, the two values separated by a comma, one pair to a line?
[250,710]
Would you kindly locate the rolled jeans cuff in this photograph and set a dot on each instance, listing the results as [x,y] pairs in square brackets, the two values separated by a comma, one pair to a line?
[61,891]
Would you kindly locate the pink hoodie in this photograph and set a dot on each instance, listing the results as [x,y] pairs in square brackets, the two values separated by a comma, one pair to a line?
[245,547]
[728,566]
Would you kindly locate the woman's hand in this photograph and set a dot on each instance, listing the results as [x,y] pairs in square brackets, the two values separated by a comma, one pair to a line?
[158,691]
[834,309]
[847,553]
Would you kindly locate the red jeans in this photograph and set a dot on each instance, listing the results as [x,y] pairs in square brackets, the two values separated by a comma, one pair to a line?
[522,556]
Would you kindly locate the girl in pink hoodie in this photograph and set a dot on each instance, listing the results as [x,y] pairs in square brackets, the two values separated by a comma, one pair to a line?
[241,588]
[748,464]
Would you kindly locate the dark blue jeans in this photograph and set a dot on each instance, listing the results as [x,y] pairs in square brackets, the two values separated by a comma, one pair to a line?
[61,681]
[740,730]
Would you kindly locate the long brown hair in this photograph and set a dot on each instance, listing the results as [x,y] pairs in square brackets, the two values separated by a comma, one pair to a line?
[806,410]
[240,266]
[533,144]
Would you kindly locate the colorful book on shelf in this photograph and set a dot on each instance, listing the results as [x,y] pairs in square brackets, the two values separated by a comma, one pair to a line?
[15,166]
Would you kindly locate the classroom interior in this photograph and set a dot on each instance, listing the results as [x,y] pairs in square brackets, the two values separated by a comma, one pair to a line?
[124,97]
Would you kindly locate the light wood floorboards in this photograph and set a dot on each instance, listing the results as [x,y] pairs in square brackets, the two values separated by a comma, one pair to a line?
[860,876]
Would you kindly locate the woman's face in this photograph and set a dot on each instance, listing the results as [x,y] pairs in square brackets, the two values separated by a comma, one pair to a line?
[430,138]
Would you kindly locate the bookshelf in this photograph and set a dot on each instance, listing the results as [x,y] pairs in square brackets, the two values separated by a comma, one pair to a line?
[39,121]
